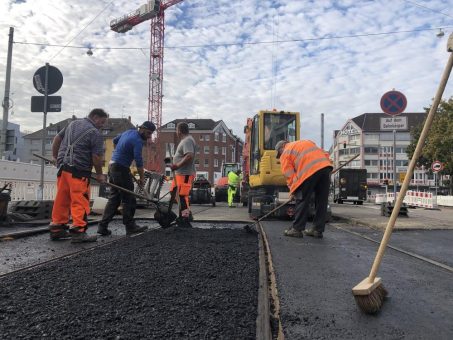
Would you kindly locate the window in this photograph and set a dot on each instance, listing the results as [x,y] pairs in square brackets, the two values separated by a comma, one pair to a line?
[206,162]
[191,125]
[406,136]
[402,163]
[372,175]
[400,149]
[51,132]
[216,149]
[216,136]
[224,137]
[105,132]
[371,149]
[223,150]
[171,125]
[371,162]
[354,151]
[201,137]
[206,138]
[216,163]
[354,137]
[206,149]
[197,163]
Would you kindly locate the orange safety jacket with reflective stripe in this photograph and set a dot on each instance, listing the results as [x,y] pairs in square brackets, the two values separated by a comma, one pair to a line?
[301,159]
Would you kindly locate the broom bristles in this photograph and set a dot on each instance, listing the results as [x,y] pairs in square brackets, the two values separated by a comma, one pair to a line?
[372,303]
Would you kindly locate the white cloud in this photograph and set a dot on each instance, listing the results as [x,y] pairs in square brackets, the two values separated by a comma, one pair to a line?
[342,78]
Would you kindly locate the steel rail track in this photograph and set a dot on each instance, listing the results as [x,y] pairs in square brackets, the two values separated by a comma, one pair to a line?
[400,250]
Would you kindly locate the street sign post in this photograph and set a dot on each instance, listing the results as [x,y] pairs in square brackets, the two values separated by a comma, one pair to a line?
[437,166]
[54,79]
[393,102]
[46,80]
[53,104]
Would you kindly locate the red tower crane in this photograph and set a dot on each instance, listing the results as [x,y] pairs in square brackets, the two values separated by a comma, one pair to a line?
[154,10]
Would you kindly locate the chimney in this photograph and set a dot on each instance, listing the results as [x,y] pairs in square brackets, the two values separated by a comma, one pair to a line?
[74,117]
[129,118]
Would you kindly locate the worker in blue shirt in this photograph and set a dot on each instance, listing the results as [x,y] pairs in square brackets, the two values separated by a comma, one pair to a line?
[128,147]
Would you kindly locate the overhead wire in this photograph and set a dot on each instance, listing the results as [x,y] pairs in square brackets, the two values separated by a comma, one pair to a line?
[428,8]
[240,43]
[83,29]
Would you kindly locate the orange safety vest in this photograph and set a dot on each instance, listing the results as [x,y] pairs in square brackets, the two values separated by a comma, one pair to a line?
[300,160]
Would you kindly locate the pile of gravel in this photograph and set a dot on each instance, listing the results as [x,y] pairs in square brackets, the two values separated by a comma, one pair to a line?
[164,284]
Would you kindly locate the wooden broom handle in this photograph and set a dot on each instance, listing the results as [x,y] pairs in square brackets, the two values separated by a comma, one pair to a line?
[410,170]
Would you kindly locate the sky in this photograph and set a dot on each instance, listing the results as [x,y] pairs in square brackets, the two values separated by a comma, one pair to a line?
[228,59]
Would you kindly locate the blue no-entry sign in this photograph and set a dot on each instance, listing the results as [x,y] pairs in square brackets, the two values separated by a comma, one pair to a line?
[393,102]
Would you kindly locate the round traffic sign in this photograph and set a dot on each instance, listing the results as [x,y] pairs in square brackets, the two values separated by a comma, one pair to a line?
[437,166]
[393,102]
[54,80]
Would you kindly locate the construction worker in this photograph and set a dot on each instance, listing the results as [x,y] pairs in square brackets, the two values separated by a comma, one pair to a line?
[184,168]
[307,170]
[128,147]
[75,150]
[234,179]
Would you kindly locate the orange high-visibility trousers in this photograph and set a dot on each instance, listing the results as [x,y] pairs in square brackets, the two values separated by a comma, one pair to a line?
[184,185]
[73,197]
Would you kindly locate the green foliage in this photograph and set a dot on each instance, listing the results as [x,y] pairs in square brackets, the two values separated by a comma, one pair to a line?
[439,143]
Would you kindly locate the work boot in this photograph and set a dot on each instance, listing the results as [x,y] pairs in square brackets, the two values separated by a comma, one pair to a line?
[313,233]
[135,229]
[294,233]
[103,230]
[79,235]
[59,232]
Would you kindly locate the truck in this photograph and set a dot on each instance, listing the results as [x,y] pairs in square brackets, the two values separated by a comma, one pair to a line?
[350,186]
[264,185]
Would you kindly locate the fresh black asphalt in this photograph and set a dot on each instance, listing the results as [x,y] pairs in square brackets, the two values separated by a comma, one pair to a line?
[163,284]
[315,278]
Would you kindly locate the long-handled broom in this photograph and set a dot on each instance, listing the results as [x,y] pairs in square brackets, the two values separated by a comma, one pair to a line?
[370,293]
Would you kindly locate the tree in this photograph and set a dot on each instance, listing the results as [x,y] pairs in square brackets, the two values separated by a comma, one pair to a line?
[439,143]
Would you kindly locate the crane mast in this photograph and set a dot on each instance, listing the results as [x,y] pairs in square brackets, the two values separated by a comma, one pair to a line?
[154,10]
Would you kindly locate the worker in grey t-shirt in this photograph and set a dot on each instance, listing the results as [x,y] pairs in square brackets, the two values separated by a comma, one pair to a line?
[184,167]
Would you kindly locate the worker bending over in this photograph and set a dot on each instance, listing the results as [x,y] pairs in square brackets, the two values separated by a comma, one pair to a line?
[234,180]
[307,170]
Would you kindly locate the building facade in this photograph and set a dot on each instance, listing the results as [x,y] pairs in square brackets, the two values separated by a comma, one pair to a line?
[215,141]
[15,148]
[371,136]
[112,128]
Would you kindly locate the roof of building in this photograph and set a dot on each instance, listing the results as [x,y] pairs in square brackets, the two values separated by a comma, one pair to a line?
[200,124]
[204,124]
[114,126]
[371,122]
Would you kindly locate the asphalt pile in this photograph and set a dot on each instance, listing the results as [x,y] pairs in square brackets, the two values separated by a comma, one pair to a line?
[163,284]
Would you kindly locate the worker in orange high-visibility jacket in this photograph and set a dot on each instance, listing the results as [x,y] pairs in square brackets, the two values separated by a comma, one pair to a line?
[307,169]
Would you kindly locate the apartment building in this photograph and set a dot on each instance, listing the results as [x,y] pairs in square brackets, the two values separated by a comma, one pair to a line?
[371,136]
